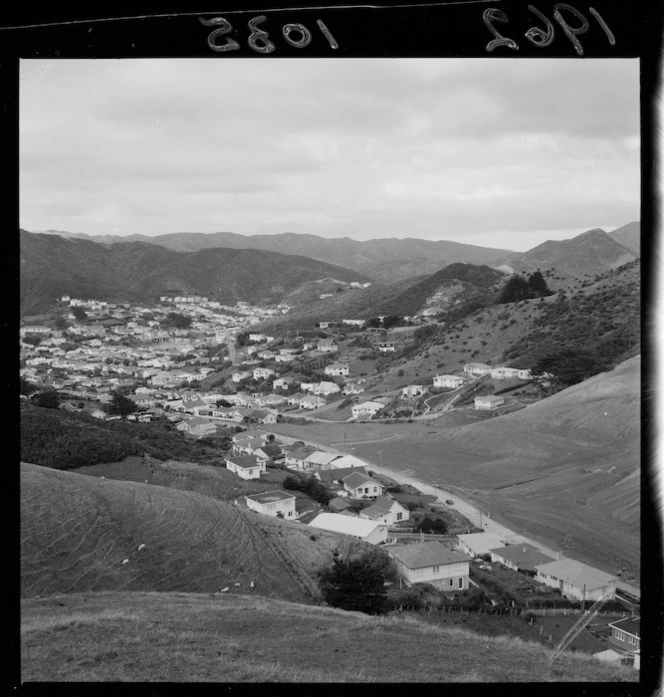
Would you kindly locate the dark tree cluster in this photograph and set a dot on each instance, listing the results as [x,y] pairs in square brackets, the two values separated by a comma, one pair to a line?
[309,486]
[519,288]
[357,584]
[175,320]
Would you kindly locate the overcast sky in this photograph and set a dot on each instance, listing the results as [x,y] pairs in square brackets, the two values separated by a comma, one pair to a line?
[502,153]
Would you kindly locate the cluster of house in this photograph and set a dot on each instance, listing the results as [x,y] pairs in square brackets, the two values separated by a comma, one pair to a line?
[119,343]
[476,370]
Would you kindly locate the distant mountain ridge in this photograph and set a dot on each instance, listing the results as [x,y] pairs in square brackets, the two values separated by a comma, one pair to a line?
[383,259]
[52,266]
[589,253]
[393,259]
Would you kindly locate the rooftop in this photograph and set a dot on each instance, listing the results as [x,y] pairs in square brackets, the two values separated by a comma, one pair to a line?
[576,573]
[348,525]
[424,554]
[270,496]
[525,556]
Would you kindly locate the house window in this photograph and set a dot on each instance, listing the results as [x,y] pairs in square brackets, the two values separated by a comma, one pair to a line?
[451,582]
[399,516]
[290,513]
[366,491]
[461,583]
[436,569]
[375,490]
[619,635]
[631,640]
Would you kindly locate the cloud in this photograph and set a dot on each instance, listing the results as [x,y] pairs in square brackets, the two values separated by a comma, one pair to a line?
[419,147]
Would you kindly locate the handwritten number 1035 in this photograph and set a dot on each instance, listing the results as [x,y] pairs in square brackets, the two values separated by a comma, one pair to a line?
[297,35]
[544,37]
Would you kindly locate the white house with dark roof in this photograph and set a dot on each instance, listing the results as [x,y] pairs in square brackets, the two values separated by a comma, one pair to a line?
[311,402]
[325,387]
[245,466]
[577,580]
[273,503]
[367,530]
[362,486]
[431,562]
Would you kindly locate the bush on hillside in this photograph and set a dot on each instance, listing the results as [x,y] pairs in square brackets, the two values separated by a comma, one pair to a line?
[357,584]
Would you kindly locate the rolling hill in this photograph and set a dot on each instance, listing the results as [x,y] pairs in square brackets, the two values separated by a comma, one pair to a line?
[385,259]
[76,532]
[52,266]
[454,284]
[587,254]
[184,637]
[629,236]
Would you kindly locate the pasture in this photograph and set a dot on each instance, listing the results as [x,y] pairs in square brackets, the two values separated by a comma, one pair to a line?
[184,637]
[80,533]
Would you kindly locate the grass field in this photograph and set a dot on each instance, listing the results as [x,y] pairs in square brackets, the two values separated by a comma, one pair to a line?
[564,470]
[182,637]
[76,532]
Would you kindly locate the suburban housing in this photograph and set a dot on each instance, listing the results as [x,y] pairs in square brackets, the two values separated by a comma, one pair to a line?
[273,503]
[431,562]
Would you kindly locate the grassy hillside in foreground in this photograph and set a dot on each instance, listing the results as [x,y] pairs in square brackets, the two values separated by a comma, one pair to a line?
[182,637]
[76,531]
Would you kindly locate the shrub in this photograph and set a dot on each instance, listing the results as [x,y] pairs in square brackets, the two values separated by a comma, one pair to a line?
[357,584]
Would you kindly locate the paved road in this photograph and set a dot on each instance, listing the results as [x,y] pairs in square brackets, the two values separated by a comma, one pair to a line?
[477,517]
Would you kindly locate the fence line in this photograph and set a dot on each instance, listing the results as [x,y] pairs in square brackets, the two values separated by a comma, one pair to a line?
[571,611]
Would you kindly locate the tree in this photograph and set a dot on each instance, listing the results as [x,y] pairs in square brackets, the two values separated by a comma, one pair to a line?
[357,584]
[432,525]
[32,339]
[177,321]
[61,323]
[26,387]
[292,483]
[568,366]
[79,313]
[538,286]
[515,289]
[49,399]
[122,406]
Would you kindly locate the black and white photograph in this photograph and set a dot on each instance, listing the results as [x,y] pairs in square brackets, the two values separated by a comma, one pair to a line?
[330,367]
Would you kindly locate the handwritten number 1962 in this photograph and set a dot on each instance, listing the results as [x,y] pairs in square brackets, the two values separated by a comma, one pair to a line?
[544,37]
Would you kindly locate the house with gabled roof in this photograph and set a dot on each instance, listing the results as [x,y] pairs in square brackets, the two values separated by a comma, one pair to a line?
[336,474]
[311,402]
[369,408]
[273,503]
[489,401]
[452,381]
[477,368]
[353,388]
[412,390]
[245,466]
[362,486]
[197,426]
[337,369]
[320,460]
[385,509]
[520,557]
[327,345]
[431,562]
[577,580]
[269,453]
[296,458]
[626,634]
